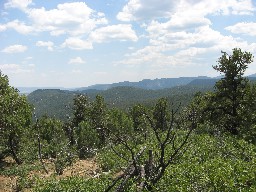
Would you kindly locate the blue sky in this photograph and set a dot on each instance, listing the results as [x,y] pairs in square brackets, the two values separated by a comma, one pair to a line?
[68,43]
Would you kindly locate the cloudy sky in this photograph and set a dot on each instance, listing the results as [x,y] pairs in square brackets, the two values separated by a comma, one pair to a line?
[69,43]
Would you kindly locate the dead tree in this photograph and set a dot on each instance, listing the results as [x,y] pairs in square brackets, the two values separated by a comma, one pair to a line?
[146,174]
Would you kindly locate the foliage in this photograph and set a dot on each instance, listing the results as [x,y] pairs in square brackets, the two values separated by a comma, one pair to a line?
[231,90]
[120,122]
[89,124]
[81,109]
[54,143]
[58,104]
[87,140]
[52,136]
[144,170]
[54,103]
[231,107]
[208,164]
[15,117]
[98,117]
[213,164]
[161,114]
[74,184]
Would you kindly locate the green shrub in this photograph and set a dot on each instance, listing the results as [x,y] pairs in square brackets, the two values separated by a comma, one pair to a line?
[74,184]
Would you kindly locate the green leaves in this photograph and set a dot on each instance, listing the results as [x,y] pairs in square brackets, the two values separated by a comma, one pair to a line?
[15,117]
[230,107]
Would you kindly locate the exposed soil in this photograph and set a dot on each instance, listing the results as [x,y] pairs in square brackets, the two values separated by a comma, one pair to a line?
[7,184]
[86,168]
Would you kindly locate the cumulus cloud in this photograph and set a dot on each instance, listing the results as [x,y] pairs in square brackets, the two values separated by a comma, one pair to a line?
[74,19]
[181,47]
[136,10]
[76,60]
[77,43]
[15,49]
[71,18]
[146,9]
[18,26]
[47,44]
[185,35]
[20,4]
[242,7]
[243,28]
[117,32]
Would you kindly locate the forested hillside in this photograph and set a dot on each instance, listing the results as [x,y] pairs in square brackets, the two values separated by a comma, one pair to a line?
[58,103]
[187,138]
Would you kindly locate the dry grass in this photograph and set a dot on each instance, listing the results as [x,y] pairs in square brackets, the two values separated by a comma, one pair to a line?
[84,168]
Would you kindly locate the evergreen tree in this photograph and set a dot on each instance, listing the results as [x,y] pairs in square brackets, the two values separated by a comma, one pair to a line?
[231,89]
[98,117]
[15,118]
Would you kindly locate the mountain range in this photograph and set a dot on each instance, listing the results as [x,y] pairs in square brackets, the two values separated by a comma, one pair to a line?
[148,84]
[154,84]
[58,102]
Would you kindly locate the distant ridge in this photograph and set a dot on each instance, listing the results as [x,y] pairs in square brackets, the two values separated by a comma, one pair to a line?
[252,75]
[58,103]
[154,84]
[203,82]
[27,90]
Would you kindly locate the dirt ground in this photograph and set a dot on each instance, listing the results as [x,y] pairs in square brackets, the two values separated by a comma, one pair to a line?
[86,167]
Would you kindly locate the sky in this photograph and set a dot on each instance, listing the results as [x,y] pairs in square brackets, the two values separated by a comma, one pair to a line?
[77,43]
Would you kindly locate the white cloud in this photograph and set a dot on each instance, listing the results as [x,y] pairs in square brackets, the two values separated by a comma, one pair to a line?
[122,32]
[13,69]
[76,60]
[152,9]
[71,18]
[9,66]
[118,32]
[2,28]
[146,9]
[18,26]
[243,7]
[77,43]
[15,49]
[47,44]
[169,48]
[20,4]
[187,36]
[68,18]
[243,28]
[191,14]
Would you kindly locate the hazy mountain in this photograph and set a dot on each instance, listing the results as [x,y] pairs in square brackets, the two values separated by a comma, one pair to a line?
[203,82]
[147,83]
[27,90]
[252,75]
[154,84]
